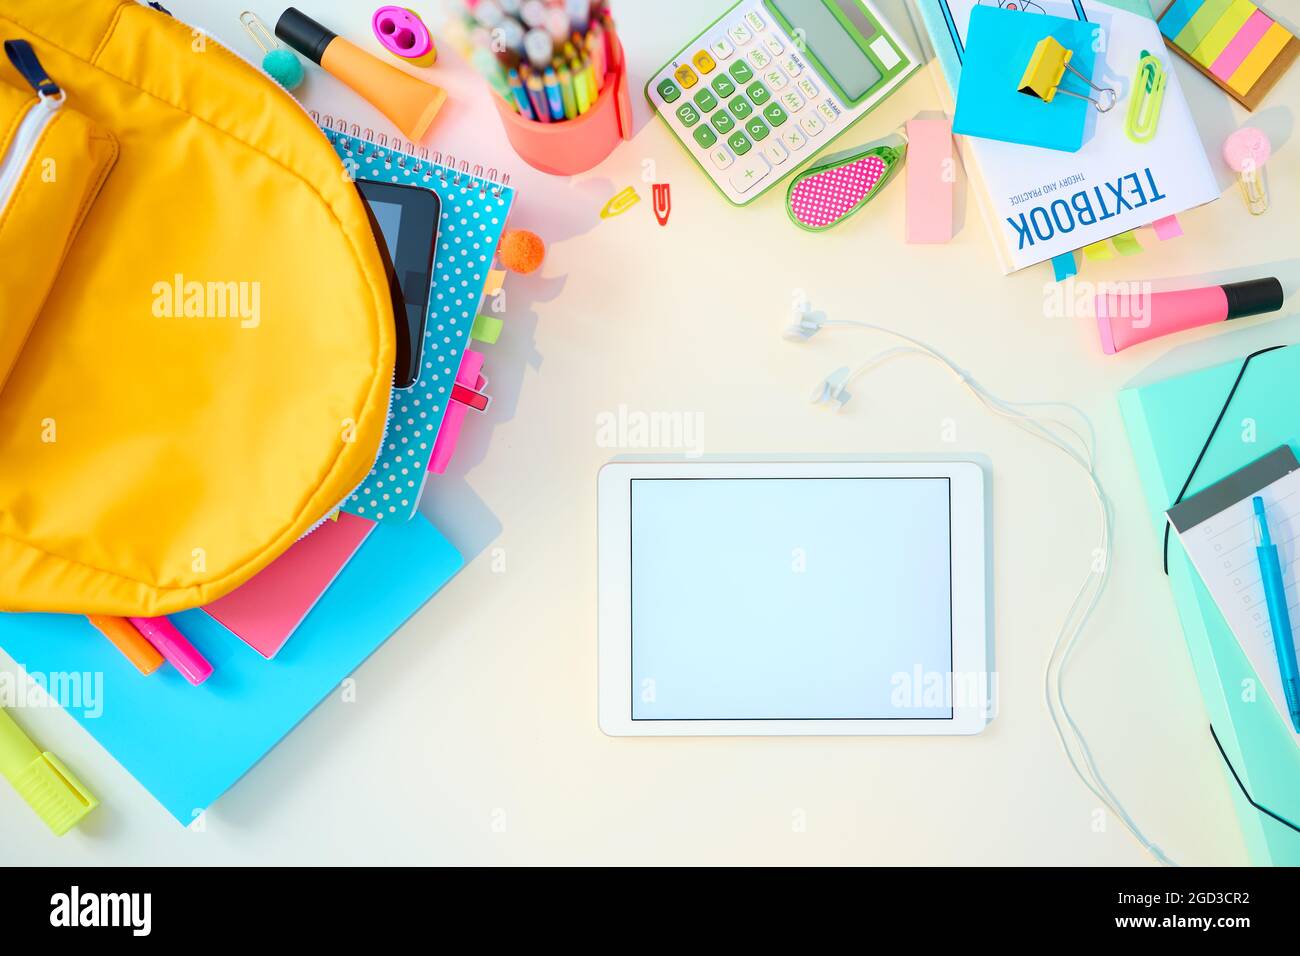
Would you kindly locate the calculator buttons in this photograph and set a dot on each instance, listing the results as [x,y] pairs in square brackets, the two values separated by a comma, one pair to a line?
[760,58]
[792,65]
[705,100]
[722,122]
[812,125]
[741,71]
[722,48]
[793,140]
[686,76]
[703,62]
[739,144]
[776,153]
[750,173]
[723,86]
[757,93]
[775,79]
[668,91]
[740,107]
[773,44]
[808,88]
[830,112]
[738,34]
[705,136]
[774,115]
[792,101]
[688,115]
[756,129]
[755,21]
[722,157]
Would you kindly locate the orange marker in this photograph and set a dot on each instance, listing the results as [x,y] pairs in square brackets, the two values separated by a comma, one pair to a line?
[129,641]
[410,103]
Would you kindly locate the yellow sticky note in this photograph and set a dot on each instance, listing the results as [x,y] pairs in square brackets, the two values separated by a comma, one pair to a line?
[1257,61]
[495,280]
[1221,34]
[1098,251]
[1201,23]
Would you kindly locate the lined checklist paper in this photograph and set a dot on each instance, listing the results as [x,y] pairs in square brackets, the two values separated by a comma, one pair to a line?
[1217,529]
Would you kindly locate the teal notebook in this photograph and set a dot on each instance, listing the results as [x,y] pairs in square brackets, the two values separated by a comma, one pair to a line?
[475,205]
[1171,426]
[187,745]
[999,44]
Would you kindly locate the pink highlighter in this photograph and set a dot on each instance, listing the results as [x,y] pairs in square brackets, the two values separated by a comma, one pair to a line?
[1131,318]
[172,645]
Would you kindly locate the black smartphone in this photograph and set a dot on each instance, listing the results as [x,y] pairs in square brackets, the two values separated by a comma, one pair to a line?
[405,219]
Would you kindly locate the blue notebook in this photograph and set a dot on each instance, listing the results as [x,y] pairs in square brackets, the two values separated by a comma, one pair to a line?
[999,44]
[187,745]
[474,210]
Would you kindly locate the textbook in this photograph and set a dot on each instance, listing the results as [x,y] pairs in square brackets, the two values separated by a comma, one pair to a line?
[1040,203]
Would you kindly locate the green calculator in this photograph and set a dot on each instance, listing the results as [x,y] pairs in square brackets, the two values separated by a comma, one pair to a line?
[771,82]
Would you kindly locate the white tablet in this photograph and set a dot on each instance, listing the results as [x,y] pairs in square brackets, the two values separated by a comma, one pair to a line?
[793,598]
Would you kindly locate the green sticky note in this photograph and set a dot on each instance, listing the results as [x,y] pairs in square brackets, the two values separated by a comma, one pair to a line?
[486,329]
[1126,244]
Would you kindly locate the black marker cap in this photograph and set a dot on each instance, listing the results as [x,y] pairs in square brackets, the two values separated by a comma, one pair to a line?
[303,34]
[1253,297]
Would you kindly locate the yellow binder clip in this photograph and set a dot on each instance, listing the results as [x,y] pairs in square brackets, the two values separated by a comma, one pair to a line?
[1046,70]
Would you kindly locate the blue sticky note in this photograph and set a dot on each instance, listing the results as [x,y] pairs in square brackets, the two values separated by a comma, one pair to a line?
[187,745]
[999,45]
[1064,266]
[1178,15]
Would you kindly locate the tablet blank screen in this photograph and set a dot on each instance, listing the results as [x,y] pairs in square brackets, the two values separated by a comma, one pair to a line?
[791,598]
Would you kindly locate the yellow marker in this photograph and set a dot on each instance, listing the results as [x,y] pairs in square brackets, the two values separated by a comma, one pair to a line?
[620,203]
[42,780]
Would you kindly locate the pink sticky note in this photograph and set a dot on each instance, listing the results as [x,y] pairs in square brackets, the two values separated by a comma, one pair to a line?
[265,610]
[445,445]
[1239,47]
[930,174]
[1167,228]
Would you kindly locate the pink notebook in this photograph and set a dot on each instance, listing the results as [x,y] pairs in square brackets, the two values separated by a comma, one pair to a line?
[264,611]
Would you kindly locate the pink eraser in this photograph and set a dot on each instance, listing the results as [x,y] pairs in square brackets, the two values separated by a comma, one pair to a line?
[445,445]
[931,171]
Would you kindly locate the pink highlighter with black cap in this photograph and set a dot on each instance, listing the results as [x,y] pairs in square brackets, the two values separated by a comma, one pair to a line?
[1129,319]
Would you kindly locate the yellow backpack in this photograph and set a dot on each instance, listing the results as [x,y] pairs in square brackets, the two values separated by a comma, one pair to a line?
[196,329]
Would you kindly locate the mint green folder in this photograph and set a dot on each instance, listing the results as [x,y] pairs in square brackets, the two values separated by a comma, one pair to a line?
[1168,424]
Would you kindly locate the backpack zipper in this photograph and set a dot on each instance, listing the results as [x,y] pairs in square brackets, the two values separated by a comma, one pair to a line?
[39,115]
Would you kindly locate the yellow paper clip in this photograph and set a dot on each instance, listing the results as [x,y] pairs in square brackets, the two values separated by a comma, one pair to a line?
[1046,70]
[1148,95]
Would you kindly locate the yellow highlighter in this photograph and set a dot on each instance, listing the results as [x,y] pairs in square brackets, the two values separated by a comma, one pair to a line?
[42,780]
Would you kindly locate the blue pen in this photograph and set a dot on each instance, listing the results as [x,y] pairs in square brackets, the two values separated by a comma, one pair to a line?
[521,95]
[1278,616]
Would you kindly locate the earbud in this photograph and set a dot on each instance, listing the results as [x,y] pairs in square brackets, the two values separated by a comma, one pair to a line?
[806,323]
[832,388]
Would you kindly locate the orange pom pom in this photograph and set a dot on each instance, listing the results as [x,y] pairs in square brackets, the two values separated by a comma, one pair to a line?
[521,251]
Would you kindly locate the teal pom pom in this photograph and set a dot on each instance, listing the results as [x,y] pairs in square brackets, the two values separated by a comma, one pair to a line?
[285,68]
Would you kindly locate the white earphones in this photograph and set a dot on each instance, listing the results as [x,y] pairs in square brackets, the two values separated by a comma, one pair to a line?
[1065,438]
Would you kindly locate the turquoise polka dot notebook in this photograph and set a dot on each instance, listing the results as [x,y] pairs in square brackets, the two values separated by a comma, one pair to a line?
[475,204]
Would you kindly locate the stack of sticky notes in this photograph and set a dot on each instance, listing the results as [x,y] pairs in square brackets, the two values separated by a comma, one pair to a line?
[1236,44]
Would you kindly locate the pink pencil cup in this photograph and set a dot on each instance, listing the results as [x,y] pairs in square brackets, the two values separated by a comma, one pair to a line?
[576,145]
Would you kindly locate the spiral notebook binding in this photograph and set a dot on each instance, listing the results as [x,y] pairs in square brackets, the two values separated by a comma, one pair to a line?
[417,159]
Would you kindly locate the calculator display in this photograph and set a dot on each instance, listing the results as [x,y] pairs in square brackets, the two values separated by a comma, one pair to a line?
[828,28]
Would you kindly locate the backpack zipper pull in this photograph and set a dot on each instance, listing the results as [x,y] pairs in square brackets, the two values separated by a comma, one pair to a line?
[25,61]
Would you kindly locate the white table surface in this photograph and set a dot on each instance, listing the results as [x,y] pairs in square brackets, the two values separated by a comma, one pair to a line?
[473,735]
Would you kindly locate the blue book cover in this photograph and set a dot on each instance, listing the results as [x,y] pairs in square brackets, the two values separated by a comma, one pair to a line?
[474,210]
[187,745]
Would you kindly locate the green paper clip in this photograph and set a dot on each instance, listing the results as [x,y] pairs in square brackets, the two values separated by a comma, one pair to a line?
[1148,95]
